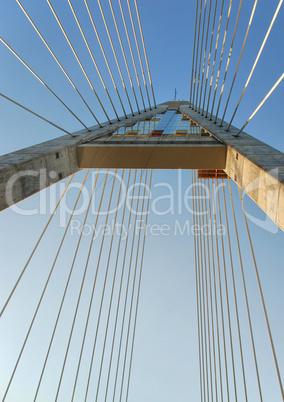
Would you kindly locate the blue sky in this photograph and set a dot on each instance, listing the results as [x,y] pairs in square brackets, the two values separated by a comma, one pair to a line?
[166,358]
[168,32]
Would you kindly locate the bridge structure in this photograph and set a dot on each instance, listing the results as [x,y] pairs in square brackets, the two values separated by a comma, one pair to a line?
[96,321]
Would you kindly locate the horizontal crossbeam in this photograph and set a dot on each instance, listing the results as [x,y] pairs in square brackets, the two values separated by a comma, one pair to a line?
[30,170]
[256,167]
[205,154]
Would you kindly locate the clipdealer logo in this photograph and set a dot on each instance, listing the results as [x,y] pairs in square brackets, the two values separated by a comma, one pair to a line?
[166,199]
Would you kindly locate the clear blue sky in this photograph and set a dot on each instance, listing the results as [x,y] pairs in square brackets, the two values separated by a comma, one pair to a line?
[165,365]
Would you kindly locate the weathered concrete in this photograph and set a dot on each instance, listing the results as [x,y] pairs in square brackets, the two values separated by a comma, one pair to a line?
[256,167]
[25,172]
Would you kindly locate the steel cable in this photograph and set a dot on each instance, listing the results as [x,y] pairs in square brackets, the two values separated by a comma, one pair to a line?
[132,55]
[204,56]
[75,53]
[84,276]
[245,292]
[57,61]
[127,286]
[206,271]
[235,294]
[227,299]
[36,114]
[65,290]
[261,103]
[211,295]
[145,52]
[115,56]
[211,196]
[44,289]
[36,246]
[42,82]
[221,296]
[197,51]
[193,54]
[257,58]
[203,348]
[121,283]
[94,62]
[200,57]
[240,57]
[214,59]
[82,286]
[112,290]
[139,278]
[142,259]
[104,285]
[229,59]
[209,58]
[196,259]
[74,320]
[203,268]
[124,55]
[138,51]
[262,298]
[107,63]
[221,58]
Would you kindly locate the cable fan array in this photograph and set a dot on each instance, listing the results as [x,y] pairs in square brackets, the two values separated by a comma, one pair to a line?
[129,52]
[218,262]
[204,79]
[108,274]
